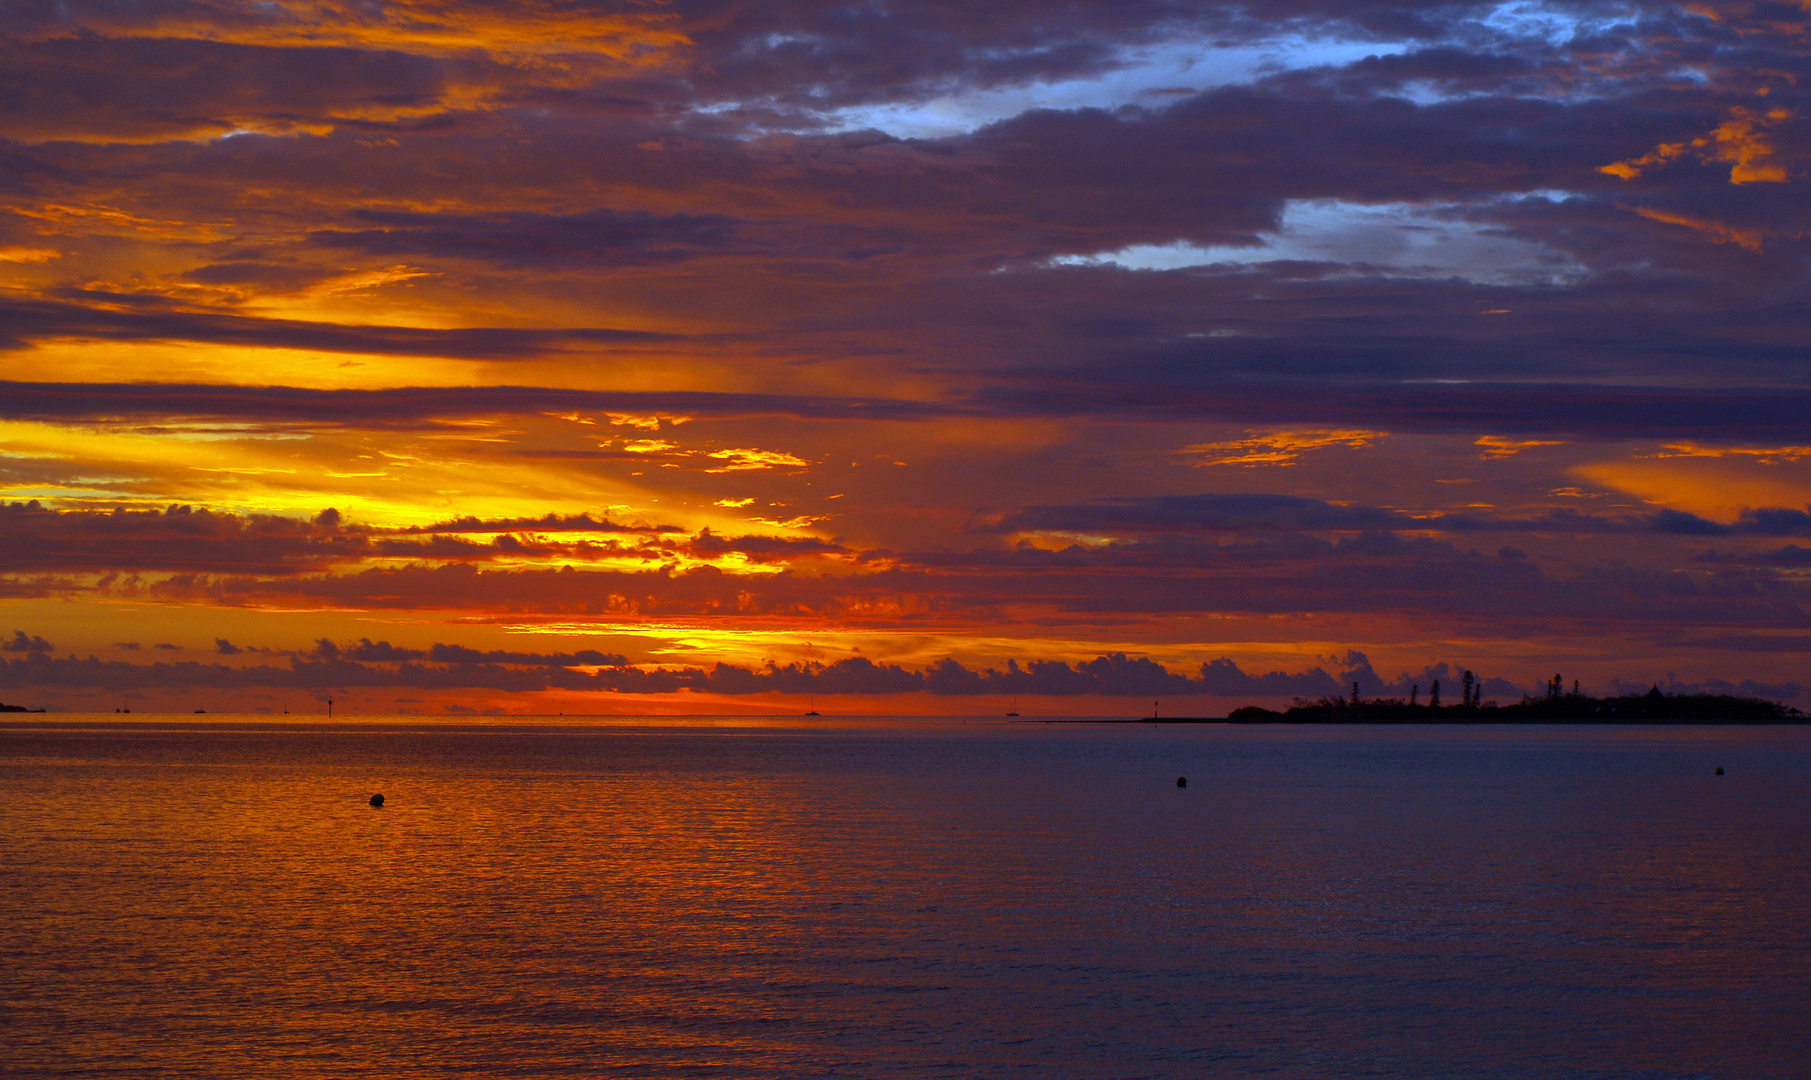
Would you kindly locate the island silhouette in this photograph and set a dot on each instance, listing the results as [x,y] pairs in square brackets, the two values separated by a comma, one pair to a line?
[1555,707]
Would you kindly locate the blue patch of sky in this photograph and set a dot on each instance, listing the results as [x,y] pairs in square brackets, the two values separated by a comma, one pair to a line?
[1391,239]
[1147,75]
[1150,76]
[1555,25]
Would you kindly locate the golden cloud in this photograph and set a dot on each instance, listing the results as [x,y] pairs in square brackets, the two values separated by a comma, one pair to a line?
[740,459]
[1495,446]
[645,422]
[525,28]
[1741,141]
[1278,447]
[1766,455]
[1717,489]
[1715,231]
[17,254]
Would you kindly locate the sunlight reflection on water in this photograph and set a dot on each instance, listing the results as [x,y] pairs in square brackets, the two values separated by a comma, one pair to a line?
[903,898]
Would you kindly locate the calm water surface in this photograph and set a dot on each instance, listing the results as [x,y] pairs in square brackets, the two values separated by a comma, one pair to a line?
[903,899]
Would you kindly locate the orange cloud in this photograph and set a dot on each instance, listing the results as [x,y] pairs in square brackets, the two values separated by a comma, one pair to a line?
[1631,168]
[1714,230]
[16,254]
[1741,141]
[97,218]
[1495,446]
[520,29]
[1719,490]
[737,460]
[645,422]
[1766,455]
[480,55]
[1278,447]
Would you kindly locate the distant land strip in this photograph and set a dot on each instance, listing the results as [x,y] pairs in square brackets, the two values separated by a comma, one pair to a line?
[1652,707]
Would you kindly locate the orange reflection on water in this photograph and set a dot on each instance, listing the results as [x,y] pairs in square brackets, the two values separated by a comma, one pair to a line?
[777,899]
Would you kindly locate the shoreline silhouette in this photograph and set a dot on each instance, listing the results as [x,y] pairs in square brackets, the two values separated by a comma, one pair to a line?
[1653,707]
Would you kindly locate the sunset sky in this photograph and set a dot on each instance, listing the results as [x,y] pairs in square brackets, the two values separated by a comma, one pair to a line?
[904,357]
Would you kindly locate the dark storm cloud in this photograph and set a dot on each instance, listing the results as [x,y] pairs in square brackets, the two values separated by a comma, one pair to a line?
[1790,555]
[1158,514]
[178,538]
[553,523]
[1582,412]
[1774,521]
[1218,167]
[131,317]
[1447,69]
[1167,513]
[1229,333]
[1361,573]
[408,406]
[367,651]
[816,55]
[198,68]
[39,587]
[813,55]
[249,272]
[378,664]
[184,538]
[26,174]
[26,643]
[779,60]
[1172,566]
[169,88]
[1215,167]
[760,548]
[1781,643]
[1242,146]
[1605,413]
[593,238]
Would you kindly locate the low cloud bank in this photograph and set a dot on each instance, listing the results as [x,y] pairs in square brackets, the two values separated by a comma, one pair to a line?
[370,664]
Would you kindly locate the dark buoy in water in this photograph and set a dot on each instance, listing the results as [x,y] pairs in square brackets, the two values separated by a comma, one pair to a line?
[377,800]
[1182,781]
[1719,770]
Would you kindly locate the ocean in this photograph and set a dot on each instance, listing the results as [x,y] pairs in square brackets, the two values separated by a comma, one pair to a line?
[901,898]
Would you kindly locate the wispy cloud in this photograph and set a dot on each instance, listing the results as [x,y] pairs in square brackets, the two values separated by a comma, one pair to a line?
[1277,447]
